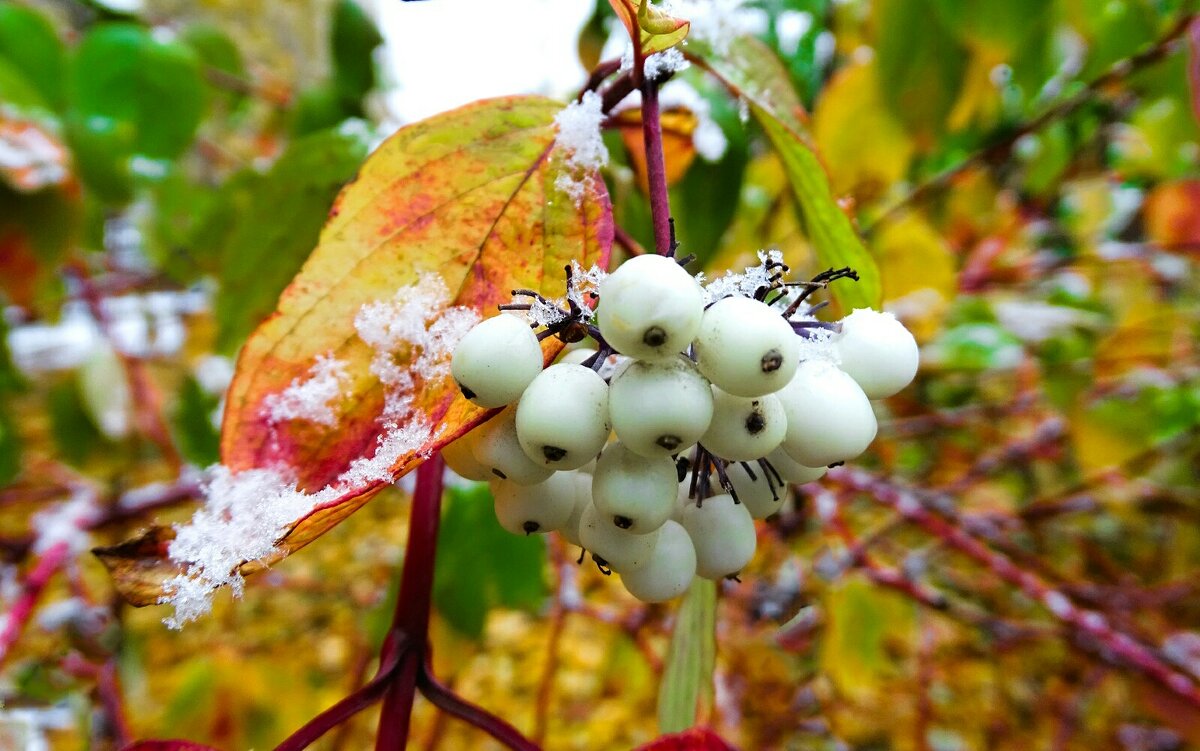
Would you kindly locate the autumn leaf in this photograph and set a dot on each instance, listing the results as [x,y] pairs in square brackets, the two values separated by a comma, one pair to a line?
[447,216]
[656,29]
[678,125]
[167,745]
[753,73]
[690,659]
[694,739]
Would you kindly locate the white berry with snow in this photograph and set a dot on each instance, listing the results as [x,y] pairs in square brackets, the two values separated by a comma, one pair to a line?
[670,570]
[792,470]
[496,360]
[650,308]
[722,532]
[497,447]
[829,418]
[657,409]
[759,491]
[544,507]
[634,492]
[744,429]
[460,459]
[562,418]
[745,347]
[617,548]
[877,351]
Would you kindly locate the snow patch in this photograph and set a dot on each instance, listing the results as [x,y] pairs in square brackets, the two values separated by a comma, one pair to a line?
[579,136]
[309,398]
[719,22]
[245,514]
[66,522]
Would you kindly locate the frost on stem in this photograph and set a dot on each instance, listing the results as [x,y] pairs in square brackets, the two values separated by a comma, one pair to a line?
[580,138]
[246,513]
[309,398]
[581,286]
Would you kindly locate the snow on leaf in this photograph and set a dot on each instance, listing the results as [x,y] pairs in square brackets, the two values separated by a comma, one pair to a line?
[31,157]
[445,218]
[580,137]
[308,398]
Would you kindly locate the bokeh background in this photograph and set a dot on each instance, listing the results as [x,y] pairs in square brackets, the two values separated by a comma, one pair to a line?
[1026,174]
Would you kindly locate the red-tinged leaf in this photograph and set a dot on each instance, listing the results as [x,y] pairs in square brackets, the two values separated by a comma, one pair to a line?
[1171,217]
[752,72]
[694,739]
[654,28]
[678,125]
[35,158]
[167,746]
[467,199]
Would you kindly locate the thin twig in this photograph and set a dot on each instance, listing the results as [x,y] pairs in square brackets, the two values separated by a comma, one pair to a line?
[998,150]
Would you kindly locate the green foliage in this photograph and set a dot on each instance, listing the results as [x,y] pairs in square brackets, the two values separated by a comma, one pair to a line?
[30,48]
[480,566]
[198,439]
[352,43]
[259,259]
[690,659]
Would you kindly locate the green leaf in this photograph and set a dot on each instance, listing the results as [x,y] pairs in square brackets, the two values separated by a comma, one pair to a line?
[353,42]
[75,437]
[10,377]
[18,91]
[122,73]
[30,44]
[10,447]
[481,566]
[102,148]
[688,672]
[195,434]
[921,64]
[752,71]
[217,52]
[280,219]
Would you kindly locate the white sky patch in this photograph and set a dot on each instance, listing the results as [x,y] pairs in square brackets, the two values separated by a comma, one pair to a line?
[309,398]
[246,513]
[580,137]
[443,54]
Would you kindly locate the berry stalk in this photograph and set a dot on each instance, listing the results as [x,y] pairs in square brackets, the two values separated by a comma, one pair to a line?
[656,169]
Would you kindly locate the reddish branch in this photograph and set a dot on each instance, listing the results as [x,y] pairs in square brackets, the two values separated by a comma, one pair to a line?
[997,151]
[13,624]
[1089,628]
[656,169]
[147,402]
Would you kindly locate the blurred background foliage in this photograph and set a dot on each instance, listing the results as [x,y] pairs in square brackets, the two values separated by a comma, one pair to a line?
[1035,213]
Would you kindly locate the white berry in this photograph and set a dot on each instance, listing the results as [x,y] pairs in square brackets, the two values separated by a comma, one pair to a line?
[496,447]
[496,360]
[670,570]
[545,507]
[829,418]
[583,499]
[460,459]
[744,429]
[723,534]
[877,351]
[793,471]
[745,347]
[620,549]
[649,308]
[562,418]
[634,492]
[762,494]
[658,409]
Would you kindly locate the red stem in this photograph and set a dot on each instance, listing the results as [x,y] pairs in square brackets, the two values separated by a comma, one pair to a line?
[453,704]
[1088,624]
[656,169]
[18,617]
[365,696]
[410,623]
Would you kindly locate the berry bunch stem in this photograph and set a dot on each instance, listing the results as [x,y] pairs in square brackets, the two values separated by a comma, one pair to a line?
[656,169]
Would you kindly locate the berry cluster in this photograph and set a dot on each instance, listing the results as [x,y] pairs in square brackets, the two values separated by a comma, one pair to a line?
[723,391]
